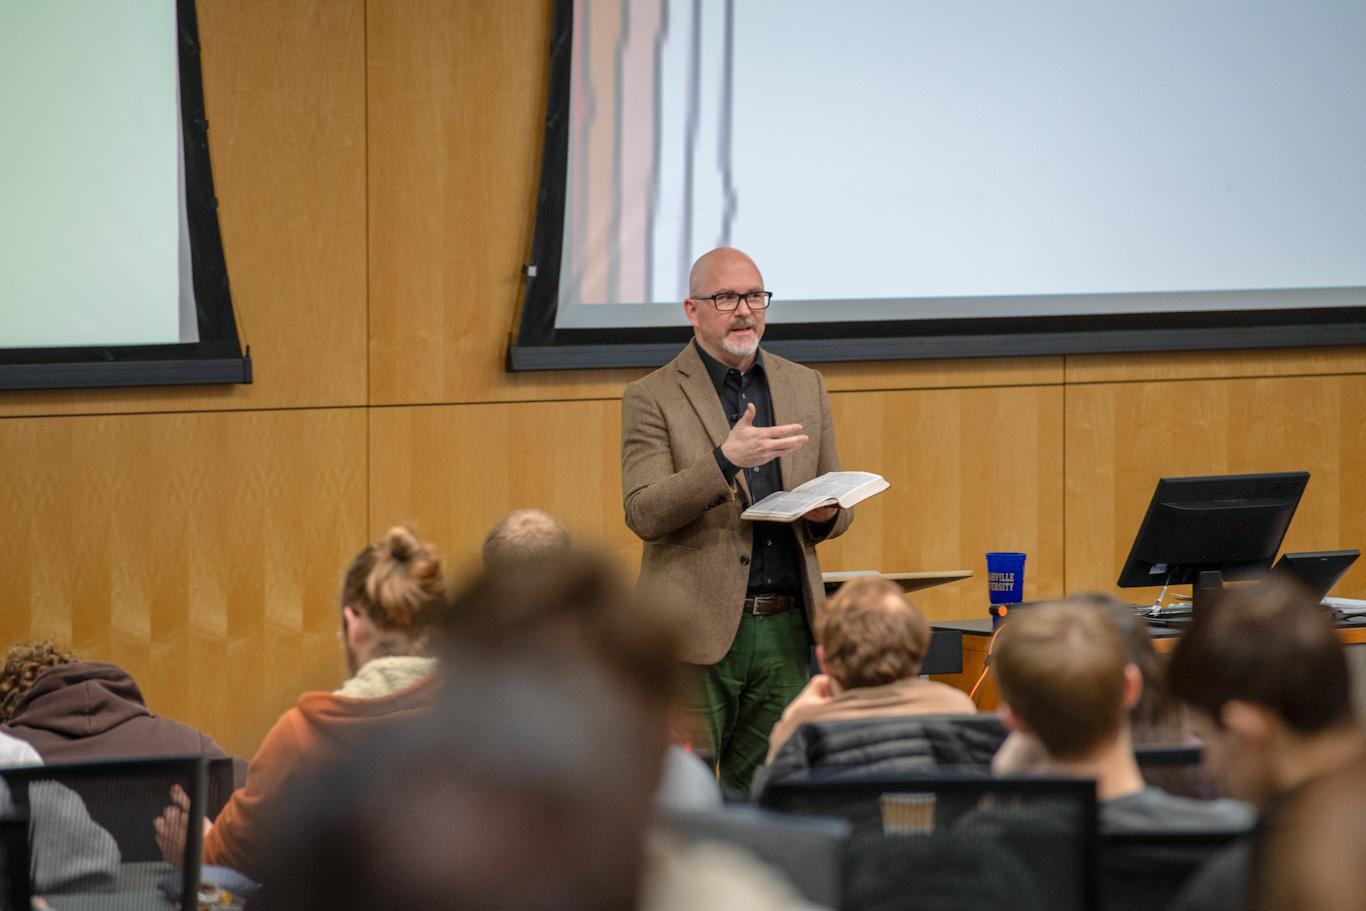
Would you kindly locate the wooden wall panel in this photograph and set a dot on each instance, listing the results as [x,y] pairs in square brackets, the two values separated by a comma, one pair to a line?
[454,470]
[1122,437]
[284,84]
[202,552]
[971,470]
[1200,365]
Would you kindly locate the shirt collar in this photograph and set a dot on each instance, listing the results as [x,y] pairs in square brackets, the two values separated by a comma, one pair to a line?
[718,371]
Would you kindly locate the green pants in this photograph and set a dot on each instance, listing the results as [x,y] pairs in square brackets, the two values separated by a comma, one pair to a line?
[742,696]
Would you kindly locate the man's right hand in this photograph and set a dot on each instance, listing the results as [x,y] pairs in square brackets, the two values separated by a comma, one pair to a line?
[748,446]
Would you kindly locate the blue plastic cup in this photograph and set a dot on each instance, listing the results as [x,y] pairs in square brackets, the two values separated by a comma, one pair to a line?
[1005,582]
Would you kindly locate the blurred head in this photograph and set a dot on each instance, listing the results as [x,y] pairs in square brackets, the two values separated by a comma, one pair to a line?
[25,662]
[1260,668]
[868,634]
[1156,716]
[391,591]
[524,534]
[1064,674]
[1310,856]
[531,785]
[730,337]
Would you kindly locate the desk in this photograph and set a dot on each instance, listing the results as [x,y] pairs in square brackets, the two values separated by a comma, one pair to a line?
[976,636]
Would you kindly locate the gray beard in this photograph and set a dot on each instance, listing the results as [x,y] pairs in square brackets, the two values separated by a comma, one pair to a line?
[739,350]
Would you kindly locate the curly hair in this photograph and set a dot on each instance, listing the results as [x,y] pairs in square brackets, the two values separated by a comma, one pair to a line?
[24,664]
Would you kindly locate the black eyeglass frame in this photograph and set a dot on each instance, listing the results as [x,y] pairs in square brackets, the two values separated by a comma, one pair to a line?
[747,297]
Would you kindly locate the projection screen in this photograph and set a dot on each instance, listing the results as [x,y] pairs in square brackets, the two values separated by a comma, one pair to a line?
[929,179]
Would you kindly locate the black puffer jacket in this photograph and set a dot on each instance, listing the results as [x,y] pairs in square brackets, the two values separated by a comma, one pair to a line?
[866,748]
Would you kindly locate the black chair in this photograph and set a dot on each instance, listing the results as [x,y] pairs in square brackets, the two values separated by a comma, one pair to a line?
[117,800]
[1176,769]
[1143,871]
[14,861]
[809,850]
[960,842]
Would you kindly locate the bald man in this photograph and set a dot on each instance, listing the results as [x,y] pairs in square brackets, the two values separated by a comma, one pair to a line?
[721,426]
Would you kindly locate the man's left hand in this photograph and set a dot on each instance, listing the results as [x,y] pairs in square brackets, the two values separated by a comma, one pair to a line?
[821,514]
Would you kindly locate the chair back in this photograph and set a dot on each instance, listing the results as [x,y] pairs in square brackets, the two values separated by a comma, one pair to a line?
[14,860]
[960,841]
[1146,870]
[809,850]
[119,799]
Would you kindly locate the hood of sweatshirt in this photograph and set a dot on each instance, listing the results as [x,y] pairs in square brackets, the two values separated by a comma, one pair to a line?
[80,700]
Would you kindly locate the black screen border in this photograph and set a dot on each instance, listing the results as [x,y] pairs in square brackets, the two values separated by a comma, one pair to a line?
[217,358]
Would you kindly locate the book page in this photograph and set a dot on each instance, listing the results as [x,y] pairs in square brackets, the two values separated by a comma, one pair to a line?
[788,503]
[836,484]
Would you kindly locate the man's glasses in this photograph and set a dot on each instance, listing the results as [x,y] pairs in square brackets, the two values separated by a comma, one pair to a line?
[729,300]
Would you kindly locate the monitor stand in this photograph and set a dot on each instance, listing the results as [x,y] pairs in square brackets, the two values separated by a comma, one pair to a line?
[1205,591]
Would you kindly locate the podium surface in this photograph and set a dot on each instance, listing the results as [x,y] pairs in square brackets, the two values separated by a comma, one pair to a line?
[909,582]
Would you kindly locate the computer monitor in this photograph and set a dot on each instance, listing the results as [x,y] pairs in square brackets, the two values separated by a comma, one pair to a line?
[1318,570]
[1231,525]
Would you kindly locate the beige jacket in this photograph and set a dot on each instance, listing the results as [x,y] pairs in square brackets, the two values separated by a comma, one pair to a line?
[679,503]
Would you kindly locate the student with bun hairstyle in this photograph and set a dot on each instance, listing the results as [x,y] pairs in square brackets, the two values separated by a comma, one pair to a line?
[389,596]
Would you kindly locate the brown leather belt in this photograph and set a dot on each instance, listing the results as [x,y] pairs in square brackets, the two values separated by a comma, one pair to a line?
[768,605]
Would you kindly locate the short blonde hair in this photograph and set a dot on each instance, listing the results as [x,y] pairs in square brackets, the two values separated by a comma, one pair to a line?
[870,634]
[524,534]
[1060,667]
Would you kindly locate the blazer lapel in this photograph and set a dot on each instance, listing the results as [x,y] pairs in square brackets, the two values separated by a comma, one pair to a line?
[696,384]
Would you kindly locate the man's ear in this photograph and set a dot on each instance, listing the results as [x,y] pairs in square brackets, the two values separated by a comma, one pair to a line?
[690,310]
[1133,686]
[820,660]
[1248,721]
[1011,721]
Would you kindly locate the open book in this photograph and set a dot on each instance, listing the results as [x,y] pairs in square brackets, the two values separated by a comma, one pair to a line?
[844,488]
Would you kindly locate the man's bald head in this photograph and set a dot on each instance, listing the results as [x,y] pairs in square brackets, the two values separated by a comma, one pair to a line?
[524,534]
[715,262]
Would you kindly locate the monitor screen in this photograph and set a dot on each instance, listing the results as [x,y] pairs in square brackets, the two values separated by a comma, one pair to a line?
[1232,524]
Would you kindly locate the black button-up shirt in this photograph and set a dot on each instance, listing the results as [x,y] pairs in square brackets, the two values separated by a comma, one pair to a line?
[775,568]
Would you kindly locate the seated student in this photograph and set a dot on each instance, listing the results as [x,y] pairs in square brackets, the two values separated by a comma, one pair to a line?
[389,596]
[1065,679]
[531,784]
[1314,857]
[524,534]
[71,710]
[1157,719]
[70,851]
[870,644]
[1268,688]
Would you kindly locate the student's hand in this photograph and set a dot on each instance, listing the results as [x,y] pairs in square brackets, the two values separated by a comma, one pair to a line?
[749,446]
[172,825]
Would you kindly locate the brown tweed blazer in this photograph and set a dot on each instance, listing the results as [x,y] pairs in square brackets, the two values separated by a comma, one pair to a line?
[678,502]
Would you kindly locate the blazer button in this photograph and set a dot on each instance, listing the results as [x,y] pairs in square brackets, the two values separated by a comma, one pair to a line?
[744,561]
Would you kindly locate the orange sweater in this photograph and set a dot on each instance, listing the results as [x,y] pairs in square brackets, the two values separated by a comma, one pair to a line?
[306,737]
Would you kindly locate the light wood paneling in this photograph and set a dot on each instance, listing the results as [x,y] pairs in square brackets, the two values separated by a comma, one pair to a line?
[454,470]
[971,470]
[1199,365]
[284,84]
[457,107]
[201,552]
[1121,438]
